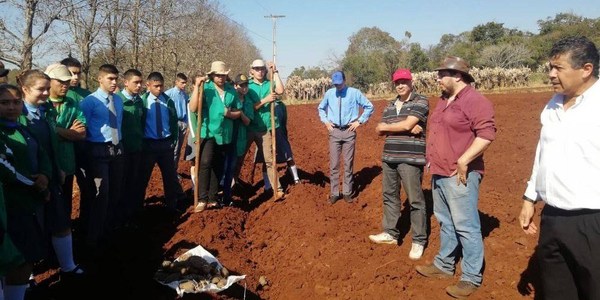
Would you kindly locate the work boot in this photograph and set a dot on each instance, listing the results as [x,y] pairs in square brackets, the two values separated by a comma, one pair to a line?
[432,271]
[461,290]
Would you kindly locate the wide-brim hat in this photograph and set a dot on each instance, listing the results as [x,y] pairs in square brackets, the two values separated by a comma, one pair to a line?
[59,72]
[456,63]
[218,68]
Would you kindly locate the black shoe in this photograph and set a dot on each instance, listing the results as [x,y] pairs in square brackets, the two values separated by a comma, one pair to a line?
[334,199]
[348,198]
[74,274]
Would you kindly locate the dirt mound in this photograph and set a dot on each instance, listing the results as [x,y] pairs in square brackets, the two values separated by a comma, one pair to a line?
[309,249]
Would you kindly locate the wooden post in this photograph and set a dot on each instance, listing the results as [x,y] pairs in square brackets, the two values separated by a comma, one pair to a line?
[275,182]
[198,142]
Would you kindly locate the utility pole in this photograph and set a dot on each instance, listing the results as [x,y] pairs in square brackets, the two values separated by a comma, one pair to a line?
[274,20]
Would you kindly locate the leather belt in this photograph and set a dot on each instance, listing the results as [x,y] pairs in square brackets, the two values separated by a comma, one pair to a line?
[344,127]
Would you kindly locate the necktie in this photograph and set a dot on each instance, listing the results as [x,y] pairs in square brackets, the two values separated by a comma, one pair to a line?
[340,112]
[112,120]
[159,125]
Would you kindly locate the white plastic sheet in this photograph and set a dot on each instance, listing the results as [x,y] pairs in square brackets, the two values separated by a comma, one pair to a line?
[200,251]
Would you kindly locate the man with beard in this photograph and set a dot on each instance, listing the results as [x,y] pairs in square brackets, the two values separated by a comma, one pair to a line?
[461,128]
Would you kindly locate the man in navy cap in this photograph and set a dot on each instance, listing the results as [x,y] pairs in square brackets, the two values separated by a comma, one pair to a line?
[339,111]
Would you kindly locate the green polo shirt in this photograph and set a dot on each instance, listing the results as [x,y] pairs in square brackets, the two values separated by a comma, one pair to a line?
[242,130]
[77,93]
[262,117]
[64,115]
[132,128]
[18,196]
[214,123]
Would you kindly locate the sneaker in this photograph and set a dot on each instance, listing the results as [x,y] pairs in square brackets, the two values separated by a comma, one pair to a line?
[201,206]
[348,198]
[333,199]
[383,238]
[433,271]
[416,251]
[462,289]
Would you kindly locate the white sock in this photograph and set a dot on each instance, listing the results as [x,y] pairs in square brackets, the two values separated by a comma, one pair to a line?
[294,172]
[267,182]
[63,247]
[15,292]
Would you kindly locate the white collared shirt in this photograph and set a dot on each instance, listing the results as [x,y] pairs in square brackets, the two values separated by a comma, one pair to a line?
[566,169]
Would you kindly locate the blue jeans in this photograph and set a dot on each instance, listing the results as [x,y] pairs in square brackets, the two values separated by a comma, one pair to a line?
[455,207]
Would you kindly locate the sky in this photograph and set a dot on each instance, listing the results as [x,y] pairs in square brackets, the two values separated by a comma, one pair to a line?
[313,32]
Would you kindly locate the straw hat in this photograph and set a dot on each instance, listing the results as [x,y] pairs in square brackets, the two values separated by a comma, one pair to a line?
[59,72]
[218,68]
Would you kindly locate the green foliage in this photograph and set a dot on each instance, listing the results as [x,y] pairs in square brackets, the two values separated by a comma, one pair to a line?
[310,73]
[371,57]
[417,58]
[488,33]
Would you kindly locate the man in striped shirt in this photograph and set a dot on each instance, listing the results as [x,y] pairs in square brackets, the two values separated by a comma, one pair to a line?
[403,123]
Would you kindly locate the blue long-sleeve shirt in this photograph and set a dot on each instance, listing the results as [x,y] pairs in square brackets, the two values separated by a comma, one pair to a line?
[351,101]
[181,101]
[95,110]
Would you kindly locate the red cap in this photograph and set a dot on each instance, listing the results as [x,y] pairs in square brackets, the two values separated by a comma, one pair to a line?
[402,74]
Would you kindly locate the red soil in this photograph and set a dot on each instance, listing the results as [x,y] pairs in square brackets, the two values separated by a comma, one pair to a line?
[309,249]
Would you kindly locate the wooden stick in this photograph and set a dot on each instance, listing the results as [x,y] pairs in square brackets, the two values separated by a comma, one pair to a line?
[275,182]
[198,142]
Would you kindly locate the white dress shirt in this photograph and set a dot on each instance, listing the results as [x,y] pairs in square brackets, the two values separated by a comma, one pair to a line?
[566,170]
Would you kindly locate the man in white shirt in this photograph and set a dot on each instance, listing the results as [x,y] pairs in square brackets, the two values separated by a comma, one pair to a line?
[565,176]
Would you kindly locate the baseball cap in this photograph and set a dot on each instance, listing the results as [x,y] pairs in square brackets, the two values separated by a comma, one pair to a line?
[402,74]
[337,77]
[258,63]
[240,79]
[3,71]
[59,72]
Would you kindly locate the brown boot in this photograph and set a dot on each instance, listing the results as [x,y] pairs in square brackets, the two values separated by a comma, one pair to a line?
[433,271]
[461,290]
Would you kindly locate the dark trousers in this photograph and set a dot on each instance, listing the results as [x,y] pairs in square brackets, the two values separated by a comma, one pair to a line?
[569,253]
[132,198]
[160,152]
[105,174]
[394,176]
[181,140]
[212,163]
[341,143]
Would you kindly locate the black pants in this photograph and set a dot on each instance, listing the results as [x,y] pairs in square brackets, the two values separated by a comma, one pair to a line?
[105,178]
[212,163]
[132,197]
[569,253]
[161,152]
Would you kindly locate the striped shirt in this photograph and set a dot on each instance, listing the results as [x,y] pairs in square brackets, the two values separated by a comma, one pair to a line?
[405,147]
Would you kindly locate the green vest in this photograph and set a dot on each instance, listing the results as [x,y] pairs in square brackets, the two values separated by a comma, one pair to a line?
[77,93]
[132,128]
[242,130]
[262,116]
[214,123]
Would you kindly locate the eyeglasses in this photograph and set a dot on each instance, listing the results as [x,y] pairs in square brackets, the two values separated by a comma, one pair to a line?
[442,74]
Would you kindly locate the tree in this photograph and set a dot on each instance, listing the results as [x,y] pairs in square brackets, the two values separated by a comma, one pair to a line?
[488,33]
[18,42]
[372,56]
[417,58]
[504,56]
[310,73]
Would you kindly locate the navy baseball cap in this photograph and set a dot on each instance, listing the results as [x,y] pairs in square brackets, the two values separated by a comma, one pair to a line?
[337,77]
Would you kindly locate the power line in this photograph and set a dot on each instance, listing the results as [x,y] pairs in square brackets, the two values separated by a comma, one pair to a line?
[258,3]
[230,19]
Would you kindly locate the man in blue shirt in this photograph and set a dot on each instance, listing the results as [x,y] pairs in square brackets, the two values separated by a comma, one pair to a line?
[159,119]
[103,111]
[339,111]
[181,99]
